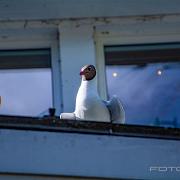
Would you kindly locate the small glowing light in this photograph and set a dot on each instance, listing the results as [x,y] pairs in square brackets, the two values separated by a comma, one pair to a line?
[159,72]
[114,74]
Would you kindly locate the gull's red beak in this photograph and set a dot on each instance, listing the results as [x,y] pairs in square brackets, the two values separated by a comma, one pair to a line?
[81,73]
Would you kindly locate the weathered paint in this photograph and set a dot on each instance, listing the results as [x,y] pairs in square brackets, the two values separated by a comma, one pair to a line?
[58,9]
[26,24]
[86,155]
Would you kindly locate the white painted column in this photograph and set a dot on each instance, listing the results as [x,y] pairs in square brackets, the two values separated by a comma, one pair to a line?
[76,49]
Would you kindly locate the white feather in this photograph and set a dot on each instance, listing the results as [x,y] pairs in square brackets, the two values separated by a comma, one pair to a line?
[89,106]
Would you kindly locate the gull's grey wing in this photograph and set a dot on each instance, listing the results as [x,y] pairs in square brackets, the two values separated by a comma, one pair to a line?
[70,116]
[116,110]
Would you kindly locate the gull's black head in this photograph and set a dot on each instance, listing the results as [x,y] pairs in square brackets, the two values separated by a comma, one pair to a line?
[88,72]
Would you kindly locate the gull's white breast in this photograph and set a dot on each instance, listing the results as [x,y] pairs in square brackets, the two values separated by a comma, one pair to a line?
[89,106]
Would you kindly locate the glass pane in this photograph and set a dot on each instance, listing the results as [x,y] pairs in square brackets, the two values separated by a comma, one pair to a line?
[25,92]
[150,93]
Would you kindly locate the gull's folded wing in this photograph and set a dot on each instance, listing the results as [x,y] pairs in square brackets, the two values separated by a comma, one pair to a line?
[116,110]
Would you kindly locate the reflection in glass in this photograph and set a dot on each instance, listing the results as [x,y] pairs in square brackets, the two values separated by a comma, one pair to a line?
[150,93]
[25,92]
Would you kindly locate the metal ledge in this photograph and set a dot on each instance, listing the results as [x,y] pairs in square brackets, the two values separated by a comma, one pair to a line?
[54,124]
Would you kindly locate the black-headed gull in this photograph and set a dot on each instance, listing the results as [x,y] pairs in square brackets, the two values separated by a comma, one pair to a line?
[89,105]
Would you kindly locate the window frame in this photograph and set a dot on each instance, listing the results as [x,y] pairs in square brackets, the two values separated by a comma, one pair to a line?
[116,35]
[136,58]
[55,63]
[113,39]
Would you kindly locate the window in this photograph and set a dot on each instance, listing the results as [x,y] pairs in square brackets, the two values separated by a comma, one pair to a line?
[147,80]
[25,81]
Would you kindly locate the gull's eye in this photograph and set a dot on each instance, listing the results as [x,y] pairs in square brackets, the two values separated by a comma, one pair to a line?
[89,68]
